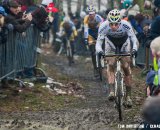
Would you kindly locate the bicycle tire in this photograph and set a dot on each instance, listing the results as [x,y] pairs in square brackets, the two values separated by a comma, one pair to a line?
[119,96]
[69,53]
[100,69]
[57,47]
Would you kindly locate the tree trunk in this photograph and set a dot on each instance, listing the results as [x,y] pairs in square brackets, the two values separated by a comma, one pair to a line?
[110,4]
[99,5]
[59,4]
[84,5]
[69,6]
[79,4]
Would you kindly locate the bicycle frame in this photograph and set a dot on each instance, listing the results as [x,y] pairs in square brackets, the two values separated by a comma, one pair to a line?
[119,69]
[65,44]
[119,82]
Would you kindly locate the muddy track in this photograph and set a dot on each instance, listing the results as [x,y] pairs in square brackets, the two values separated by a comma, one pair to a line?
[95,112]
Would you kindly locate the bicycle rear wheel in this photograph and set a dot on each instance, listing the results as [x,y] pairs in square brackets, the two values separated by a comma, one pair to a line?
[119,95]
[69,53]
[100,69]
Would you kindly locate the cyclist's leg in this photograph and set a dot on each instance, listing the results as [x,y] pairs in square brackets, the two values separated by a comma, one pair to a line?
[110,75]
[127,79]
[126,61]
[110,48]
[91,42]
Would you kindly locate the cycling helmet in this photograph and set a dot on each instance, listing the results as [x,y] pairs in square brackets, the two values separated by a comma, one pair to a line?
[82,14]
[91,9]
[66,19]
[114,16]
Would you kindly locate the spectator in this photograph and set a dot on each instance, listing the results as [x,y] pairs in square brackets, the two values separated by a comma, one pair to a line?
[155,26]
[20,23]
[3,26]
[151,113]
[153,80]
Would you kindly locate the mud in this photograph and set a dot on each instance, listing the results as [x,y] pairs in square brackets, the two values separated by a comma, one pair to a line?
[94,112]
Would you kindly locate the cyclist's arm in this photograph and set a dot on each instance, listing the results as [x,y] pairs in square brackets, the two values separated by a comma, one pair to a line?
[131,34]
[61,29]
[99,19]
[86,26]
[75,32]
[101,37]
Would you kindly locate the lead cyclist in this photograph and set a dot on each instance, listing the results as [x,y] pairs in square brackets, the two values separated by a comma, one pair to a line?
[117,33]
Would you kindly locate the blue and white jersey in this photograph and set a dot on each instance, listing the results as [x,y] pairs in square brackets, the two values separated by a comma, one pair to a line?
[125,29]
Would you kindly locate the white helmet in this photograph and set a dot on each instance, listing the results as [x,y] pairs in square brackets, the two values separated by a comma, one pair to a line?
[66,19]
[114,16]
[91,9]
[83,14]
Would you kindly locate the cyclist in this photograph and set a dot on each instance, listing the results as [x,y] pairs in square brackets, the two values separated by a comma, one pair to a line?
[68,28]
[117,33]
[91,25]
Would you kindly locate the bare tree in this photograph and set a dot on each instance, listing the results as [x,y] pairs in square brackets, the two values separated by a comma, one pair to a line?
[99,5]
[59,4]
[79,4]
[69,6]
[110,4]
[84,5]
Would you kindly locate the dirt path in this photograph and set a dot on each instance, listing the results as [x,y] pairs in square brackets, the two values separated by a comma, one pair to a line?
[94,112]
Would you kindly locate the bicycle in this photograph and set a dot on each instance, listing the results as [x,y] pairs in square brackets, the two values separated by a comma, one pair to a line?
[119,92]
[69,51]
[100,66]
[60,46]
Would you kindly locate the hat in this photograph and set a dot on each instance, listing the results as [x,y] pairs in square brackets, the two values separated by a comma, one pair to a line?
[13,4]
[134,10]
[46,2]
[2,11]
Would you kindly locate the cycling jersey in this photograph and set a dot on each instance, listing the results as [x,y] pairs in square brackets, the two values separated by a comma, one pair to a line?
[91,26]
[124,31]
[69,28]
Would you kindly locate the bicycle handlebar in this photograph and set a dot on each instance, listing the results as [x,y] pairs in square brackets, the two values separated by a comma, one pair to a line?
[133,57]
[112,55]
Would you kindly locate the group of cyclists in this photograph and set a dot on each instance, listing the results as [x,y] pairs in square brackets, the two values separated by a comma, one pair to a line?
[114,33]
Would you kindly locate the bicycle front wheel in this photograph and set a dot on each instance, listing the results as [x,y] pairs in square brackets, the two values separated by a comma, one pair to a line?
[119,94]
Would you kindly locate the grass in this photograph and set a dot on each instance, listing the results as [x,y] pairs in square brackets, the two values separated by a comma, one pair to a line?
[34,99]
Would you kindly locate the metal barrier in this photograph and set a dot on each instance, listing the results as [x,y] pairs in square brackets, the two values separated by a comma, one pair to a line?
[19,53]
[26,45]
[7,57]
[144,57]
